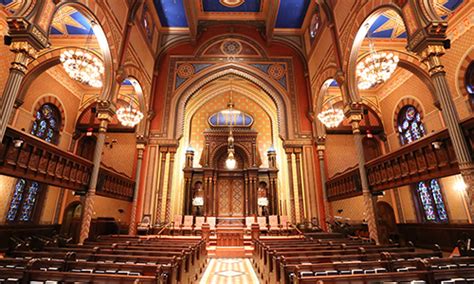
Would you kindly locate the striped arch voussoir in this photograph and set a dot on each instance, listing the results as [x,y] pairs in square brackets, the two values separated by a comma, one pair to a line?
[404,102]
[54,101]
[462,72]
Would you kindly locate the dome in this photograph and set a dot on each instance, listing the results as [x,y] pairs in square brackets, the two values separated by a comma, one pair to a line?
[230,118]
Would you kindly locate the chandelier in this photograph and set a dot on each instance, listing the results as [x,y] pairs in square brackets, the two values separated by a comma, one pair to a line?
[129,116]
[83,67]
[376,68]
[331,117]
[230,162]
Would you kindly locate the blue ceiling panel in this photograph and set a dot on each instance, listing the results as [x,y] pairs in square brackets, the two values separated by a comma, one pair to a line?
[216,6]
[171,13]
[71,22]
[291,13]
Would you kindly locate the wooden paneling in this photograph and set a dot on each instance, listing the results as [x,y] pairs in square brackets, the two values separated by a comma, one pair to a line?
[427,235]
[115,185]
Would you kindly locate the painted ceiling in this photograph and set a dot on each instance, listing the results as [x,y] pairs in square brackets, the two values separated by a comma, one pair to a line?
[172,13]
[390,25]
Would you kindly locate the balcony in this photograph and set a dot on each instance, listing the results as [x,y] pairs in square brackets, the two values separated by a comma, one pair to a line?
[25,156]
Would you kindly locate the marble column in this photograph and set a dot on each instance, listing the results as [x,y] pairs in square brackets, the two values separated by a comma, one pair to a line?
[299,179]
[431,55]
[355,116]
[132,229]
[321,147]
[105,114]
[289,158]
[24,53]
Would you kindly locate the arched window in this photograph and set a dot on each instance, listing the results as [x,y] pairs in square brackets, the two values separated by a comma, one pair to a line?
[315,24]
[469,82]
[431,200]
[47,123]
[410,126]
[26,193]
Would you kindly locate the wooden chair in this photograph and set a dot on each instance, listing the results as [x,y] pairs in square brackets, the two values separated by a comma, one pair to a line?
[212,223]
[145,225]
[177,223]
[188,223]
[284,223]
[198,223]
[262,223]
[249,220]
[273,225]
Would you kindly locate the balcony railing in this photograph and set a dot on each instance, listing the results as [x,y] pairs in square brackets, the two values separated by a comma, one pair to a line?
[25,156]
[430,157]
[344,185]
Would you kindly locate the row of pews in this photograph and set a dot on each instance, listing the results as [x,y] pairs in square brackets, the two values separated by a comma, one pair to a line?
[110,259]
[333,258]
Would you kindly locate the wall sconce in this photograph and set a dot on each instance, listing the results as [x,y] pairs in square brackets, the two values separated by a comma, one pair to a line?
[17,142]
[437,144]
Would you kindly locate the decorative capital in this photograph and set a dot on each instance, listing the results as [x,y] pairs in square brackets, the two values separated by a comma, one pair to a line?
[431,55]
[21,30]
[141,142]
[321,143]
[340,77]
[24,47]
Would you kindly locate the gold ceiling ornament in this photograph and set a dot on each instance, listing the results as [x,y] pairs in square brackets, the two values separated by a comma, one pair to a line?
[231,3]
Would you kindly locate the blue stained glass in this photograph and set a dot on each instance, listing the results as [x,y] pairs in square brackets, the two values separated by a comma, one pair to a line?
[38,115]
[426,202]
[16,200]
[30,202]
[438,199]
[47,123]
[410,126]
[47,111]
[405,124]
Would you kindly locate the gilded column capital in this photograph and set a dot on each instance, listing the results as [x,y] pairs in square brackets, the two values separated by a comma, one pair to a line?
[24,47]
[431,55]
[354,113]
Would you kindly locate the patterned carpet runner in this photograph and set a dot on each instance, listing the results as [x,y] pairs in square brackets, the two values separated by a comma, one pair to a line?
[229,270]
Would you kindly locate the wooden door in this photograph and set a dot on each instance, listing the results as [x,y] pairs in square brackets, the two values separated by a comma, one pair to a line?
[230,196]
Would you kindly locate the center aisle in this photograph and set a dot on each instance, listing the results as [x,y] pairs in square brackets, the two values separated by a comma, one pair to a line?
[229,270]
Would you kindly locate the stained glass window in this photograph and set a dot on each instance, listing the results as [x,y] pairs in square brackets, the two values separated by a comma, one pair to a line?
[16,200]
[315,24]
[47,123]
[432,201]
[469,82]
[148,23]
[410,127]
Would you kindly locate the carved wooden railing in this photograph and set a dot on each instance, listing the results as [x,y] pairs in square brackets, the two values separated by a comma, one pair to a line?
[25,156]
[344,185]
[114,184]
[430,157]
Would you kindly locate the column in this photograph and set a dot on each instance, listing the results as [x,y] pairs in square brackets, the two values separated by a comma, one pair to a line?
[321,147]
[273,173]
[289,157]
[24,53]
[159,194]
[132,229]
[105,113]
[170,183]
[355,116]
[299,183]
[431,55]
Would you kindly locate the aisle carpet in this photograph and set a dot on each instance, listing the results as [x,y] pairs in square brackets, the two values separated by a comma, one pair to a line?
[229,270]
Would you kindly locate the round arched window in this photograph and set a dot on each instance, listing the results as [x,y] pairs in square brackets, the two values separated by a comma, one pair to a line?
[469,83]
[315,23]
[47,123]
[410,126]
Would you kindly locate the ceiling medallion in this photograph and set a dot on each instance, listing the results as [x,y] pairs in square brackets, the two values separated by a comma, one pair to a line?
[231,3]
[276,71]
[231,47]
[185,70]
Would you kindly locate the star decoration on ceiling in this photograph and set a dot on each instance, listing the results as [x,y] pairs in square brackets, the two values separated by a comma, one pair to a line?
[394,23]
[63,18]
[11,6]
[440,7]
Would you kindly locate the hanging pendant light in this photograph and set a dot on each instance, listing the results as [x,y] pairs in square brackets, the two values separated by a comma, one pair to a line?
[230,162]
[82,65]
[376,68]
[129,116]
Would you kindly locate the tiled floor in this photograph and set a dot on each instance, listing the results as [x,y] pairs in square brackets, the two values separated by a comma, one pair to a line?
[229,271]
